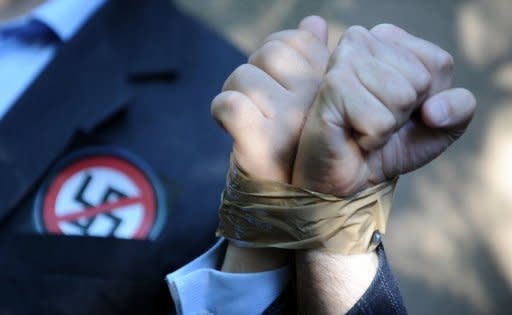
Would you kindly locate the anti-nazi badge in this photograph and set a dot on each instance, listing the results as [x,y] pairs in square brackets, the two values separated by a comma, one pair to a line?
[101,192]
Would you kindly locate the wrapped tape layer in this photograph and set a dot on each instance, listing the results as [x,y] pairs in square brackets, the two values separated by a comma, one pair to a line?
[259,213]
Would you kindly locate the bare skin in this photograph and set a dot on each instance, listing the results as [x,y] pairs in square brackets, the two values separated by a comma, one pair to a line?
[10,9]
[385,107]
[263,106]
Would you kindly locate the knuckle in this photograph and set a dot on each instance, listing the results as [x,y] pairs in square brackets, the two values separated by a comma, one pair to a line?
[268,53]
[280,34]
[386,29]
[299,40]
[238,75]
[444,61]
[271,47]
[243,70]
[253,58]
[355,32]
[383,127]
[215,106]
[406,98]
[341,78]
[224,102]
[285,36]
[349,53]
[303,36]
[231,100]
[219,108]
[346,53]
[333,80]
[423,81]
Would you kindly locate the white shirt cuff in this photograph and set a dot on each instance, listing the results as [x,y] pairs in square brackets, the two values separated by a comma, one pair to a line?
[200,288]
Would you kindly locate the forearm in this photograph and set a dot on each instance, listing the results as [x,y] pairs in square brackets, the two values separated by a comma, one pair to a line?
[329,283]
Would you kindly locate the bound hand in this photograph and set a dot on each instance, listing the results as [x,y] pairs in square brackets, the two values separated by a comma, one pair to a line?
[386,107]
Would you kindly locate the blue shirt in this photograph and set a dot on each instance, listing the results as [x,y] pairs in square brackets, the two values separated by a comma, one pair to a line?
[198,286]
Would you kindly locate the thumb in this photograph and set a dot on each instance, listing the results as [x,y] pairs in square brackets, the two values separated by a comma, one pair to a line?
[445,117]
[315,25]
[451,109]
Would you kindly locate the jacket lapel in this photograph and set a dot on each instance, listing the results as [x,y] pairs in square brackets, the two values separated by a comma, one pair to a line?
[89,79]
[80,89]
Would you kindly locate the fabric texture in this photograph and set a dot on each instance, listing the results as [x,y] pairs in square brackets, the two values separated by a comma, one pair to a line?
[33,31]
[114,85]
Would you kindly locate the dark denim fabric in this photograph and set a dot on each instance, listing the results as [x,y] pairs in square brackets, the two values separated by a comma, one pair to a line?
[382,297]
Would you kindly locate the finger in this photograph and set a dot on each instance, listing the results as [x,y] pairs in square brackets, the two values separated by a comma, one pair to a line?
[386,83]
[360,110]
[401,59]
[316,25]
[284,64]
[449,109]
[436,60]
[237,114]
[308,45]
[405,62]
[259,87]
[389,86]
[310,40]
[445,117]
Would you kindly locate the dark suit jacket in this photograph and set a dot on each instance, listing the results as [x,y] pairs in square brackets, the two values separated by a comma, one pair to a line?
[135,84]
[136,80]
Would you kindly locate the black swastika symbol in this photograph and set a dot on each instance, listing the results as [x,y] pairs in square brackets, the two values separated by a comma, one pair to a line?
[111,194]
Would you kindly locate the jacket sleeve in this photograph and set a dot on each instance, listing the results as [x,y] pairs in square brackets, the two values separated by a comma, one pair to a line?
[382,297]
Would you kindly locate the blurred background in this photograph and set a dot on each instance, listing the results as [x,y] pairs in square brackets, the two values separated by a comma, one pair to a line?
[450,233]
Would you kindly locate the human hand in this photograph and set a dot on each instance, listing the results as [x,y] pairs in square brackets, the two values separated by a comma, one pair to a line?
[385,107]
[263,107]
[264,102]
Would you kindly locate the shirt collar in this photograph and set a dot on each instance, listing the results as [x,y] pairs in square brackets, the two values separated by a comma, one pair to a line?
[65,17]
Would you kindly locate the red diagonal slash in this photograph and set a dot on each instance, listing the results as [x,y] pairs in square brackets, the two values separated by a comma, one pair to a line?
[103,208]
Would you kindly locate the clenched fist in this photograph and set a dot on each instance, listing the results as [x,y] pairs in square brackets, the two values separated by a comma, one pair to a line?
[264,102]
[263,107]
[386,107]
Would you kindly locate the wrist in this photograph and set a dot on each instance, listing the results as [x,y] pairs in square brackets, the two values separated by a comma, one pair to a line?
[332,283]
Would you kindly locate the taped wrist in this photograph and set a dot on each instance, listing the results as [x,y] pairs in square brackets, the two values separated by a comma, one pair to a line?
[259,213]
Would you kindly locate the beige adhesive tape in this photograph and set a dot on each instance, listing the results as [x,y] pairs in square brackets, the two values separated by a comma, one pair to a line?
[259,213]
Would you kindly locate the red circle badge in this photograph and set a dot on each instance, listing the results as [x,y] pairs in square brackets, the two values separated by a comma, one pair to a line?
[102,195]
